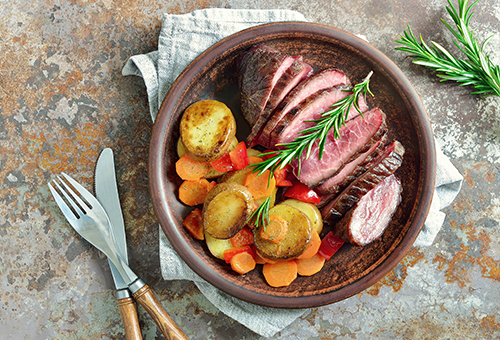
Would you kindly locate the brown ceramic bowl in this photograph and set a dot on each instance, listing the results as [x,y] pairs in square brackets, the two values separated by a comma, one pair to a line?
[213,75]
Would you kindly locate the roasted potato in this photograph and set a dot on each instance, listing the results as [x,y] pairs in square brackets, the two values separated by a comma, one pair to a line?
[310,210]
[296,239]
[212,173]
[217,246]
[226,209]
[207,129]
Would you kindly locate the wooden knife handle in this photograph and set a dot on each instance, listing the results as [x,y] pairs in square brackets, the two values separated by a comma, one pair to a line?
[168,327]
[130,319]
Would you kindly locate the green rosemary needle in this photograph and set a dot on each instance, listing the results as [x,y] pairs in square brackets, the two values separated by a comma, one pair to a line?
[477,70]
[334,118]
[261,215]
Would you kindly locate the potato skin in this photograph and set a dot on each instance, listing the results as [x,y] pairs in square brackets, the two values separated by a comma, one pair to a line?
[226,209]
[296,240]
[207,129]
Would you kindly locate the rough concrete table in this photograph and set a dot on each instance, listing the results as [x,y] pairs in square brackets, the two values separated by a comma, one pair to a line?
[63,99]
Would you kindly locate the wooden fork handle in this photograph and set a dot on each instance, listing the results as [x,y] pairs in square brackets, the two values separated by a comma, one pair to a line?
[167,326]
[130,319]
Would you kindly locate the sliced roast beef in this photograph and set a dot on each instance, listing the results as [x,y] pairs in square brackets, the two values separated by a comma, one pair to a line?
[258,72]
[357,136]
[297,72]
[335,184]
[384,166]
[299,118]
[368,220]
[321,80]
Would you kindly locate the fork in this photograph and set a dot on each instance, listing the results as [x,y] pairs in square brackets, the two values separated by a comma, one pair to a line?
[87,216]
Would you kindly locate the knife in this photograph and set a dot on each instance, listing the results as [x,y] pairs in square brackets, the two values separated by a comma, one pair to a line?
[107,194]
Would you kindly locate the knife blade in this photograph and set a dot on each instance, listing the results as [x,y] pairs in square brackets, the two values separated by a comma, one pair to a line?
[107,193]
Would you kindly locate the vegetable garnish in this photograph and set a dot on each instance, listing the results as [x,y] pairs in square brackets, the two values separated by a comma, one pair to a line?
[261,215]
[477,70]
[334,118]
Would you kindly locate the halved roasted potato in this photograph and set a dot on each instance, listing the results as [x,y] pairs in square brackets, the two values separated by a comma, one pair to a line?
[216,246]
[226,209]
[207,129]
[297,237]
[310,210]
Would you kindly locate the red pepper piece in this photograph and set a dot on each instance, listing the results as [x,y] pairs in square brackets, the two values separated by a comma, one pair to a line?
[302,193]
[330,244]
[243,238]
[239,156]
[229,253]
[280,175]
[266,157]
[223,164]
[193,223]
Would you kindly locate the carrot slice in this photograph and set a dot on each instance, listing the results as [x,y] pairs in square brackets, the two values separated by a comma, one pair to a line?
[242,263]
[190,169]
[193,223]
[313,246]
[276,230]
[194,192]
[310,266]
[280,274]
[259,185]
[261,260]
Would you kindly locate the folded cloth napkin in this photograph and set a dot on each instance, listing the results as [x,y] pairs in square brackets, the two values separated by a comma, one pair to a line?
[182,39]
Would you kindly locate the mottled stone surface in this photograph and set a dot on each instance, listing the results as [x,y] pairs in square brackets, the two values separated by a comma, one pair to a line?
[63,99]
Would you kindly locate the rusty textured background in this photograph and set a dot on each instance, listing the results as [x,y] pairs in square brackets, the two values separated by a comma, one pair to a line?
[63,99]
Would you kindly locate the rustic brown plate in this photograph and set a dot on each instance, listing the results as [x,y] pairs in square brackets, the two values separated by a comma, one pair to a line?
[213,75]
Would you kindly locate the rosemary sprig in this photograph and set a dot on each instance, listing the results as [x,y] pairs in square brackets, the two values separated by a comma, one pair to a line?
[477,70]
[334,118]
[261,215]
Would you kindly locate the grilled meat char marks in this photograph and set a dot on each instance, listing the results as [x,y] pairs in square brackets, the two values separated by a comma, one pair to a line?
[369,218]
[335,184]
[384,166]
[259,71]
[297,72]
[316,82]
[357,136]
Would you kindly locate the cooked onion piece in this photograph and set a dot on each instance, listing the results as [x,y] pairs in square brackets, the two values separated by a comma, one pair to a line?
[296,240]
[207,129]
[226,209]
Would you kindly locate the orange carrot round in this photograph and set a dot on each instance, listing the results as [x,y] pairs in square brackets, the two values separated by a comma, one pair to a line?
[281,273]
[190,169]
[313,246]
[259,185]
[310,266]
[276,230]
[242,263]
[194,192]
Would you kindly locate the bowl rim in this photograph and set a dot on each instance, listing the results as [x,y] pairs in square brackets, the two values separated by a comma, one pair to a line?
[157,171]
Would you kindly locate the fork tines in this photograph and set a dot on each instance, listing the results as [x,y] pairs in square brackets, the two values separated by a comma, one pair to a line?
[70,196]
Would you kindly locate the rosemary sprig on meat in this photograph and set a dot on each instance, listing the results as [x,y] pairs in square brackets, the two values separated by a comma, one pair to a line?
[477,70]
[331,119]
[261,215]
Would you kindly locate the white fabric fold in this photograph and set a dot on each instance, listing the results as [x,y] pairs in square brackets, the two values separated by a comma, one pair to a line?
[182,39]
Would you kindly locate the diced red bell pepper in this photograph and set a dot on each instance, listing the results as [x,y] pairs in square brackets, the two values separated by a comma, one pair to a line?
[302,193]
[239,156]
[330,244]
[266,157]
[223,164]
[280,175]
[229,253]
[193,223]
[243,238]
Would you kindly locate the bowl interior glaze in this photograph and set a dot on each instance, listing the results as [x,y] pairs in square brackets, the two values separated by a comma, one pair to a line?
[213,76]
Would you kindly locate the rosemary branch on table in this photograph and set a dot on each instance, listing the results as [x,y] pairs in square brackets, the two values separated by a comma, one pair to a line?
[477,70]
[334,118]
